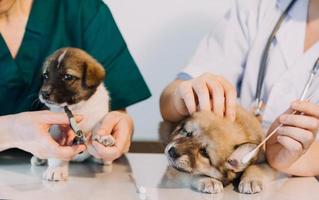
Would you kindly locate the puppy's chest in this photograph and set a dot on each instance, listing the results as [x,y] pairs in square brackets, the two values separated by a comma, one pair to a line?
[92,119]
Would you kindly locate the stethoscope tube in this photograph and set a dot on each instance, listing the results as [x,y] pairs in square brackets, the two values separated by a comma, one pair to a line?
[310,80]
[264,59]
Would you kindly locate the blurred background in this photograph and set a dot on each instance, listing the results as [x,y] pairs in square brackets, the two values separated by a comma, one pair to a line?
[162,37]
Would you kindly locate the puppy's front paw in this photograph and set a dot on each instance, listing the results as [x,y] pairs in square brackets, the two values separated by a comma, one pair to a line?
[208,185]
[60,173]
[250,186]
[106,140]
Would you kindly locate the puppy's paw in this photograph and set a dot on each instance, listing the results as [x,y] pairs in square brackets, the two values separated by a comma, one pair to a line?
[250,186]
[60,173]
[37,161]
[106,140]
[208,185]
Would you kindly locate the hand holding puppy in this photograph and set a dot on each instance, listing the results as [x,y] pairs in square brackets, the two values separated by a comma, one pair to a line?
[296,136]
[118,124]
[204,93]
[30,131]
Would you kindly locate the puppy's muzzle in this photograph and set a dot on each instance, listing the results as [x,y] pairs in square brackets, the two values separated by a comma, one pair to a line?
[172,152]
[45,95]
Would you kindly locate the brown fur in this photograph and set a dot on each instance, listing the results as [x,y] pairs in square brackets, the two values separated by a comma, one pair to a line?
[207,145]
[84,72]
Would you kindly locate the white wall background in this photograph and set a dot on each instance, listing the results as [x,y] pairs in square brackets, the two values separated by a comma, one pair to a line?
[162,35]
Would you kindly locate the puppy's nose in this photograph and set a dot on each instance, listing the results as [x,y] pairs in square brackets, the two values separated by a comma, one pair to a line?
[173,153]
[45,95]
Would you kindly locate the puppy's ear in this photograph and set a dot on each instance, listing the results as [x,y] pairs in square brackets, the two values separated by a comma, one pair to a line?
[165,130]
[93,74]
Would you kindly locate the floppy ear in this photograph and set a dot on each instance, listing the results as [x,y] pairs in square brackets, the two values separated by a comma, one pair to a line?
[165,130]
[93,74]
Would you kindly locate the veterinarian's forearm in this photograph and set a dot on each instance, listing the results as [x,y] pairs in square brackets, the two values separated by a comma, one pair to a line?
[306,165]
[167,107]
[5,139]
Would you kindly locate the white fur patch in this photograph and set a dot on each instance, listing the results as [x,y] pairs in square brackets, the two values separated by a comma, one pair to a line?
[93,110]
[61,57]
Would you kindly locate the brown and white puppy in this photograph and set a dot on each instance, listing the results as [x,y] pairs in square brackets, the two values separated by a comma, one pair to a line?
[210,149]
[73,78]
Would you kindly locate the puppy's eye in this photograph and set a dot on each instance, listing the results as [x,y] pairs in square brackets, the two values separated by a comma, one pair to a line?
[45,76]
[68,77]
[203,152]
[187,133]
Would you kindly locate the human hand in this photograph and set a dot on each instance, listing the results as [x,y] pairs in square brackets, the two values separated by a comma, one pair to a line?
[204,93]
[118,124]
[296,135]
[30,132]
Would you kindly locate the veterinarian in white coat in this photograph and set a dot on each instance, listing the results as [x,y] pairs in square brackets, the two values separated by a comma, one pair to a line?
[227,63]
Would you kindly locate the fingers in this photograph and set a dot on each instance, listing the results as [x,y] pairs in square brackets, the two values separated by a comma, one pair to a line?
[62,152]
[70,136]
[185,91]
[306,107]
[122,135]
[299,130]
[120,125]
[92,150]
[290,144]
[67,152]
[48,117]
[212,92]
[202,93]
[106,153]
[304,137]
[301,121]
[231,99]
[108,123]
[218,97]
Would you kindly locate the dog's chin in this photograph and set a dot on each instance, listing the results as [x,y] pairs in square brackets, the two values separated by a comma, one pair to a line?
[51,104]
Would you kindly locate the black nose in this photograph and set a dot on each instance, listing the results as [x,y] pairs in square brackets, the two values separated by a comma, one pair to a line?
[173,153]
[45,95]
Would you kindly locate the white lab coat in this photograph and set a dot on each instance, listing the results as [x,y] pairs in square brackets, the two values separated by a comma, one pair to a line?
[235,50]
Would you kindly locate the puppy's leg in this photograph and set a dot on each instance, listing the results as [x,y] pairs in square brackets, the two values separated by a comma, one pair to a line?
[255,177]
[35,161]
[57,170]
[207,185]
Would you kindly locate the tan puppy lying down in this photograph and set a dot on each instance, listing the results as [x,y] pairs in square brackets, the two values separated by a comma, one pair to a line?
[210,148]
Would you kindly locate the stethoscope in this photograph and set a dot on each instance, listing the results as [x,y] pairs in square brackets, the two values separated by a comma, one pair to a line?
[263,65]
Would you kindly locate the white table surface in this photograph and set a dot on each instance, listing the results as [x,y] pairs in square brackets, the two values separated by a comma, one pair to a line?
[18,180]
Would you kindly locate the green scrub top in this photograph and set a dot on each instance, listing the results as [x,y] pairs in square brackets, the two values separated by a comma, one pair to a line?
[53,24]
